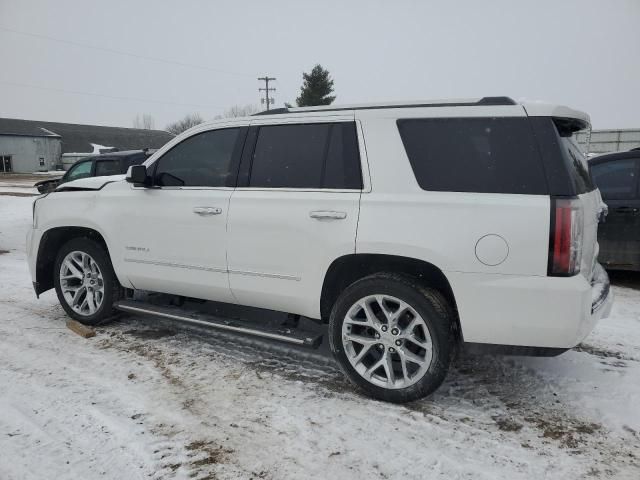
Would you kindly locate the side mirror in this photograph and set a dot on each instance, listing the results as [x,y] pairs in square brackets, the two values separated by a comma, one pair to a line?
[137,174]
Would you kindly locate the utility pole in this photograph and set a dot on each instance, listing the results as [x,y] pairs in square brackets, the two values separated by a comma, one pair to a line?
[267,99]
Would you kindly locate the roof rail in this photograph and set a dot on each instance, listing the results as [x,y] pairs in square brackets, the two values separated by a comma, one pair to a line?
[484,101]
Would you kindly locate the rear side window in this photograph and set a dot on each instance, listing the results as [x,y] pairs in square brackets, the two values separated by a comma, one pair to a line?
[203,160]
[315,155]
[483,155]
[617,180]
[107,167]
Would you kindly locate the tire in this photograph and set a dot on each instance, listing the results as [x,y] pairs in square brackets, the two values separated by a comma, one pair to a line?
[421,311]
[76,252]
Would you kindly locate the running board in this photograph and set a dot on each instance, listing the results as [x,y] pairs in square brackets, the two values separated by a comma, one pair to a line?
[192,317]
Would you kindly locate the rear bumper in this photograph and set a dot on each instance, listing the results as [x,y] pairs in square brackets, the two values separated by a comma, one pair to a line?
[531,311]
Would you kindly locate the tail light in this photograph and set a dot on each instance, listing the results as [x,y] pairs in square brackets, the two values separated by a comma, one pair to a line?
[565,237]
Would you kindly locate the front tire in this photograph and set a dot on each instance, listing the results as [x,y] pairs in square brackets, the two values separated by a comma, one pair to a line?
[85,282]
[392,337]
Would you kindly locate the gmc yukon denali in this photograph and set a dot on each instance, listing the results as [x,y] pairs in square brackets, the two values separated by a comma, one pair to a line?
[407,228]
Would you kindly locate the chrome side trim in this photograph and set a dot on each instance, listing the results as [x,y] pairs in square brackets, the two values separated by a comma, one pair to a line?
[267,275]
[221,326]
[176,265]
[213,269]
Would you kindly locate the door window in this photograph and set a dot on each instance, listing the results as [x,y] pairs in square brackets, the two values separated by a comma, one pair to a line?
[617,179]
[203,160]
[80,170]
[315,155]
[107,167]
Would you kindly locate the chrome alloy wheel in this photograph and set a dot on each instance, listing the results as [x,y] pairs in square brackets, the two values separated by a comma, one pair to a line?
[81,283]
[386,341]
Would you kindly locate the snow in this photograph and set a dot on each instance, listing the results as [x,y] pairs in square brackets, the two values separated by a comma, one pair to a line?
[145,399]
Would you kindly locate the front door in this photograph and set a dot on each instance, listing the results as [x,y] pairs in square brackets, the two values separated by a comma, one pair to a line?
[297,213]
[173,236]
[619,235]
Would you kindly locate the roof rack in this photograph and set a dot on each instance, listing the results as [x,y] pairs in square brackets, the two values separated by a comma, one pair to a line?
[484,101]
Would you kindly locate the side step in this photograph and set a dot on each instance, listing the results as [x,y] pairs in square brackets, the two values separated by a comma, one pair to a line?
[192,317]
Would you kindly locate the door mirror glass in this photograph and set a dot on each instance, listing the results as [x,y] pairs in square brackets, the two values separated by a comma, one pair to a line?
[137,174]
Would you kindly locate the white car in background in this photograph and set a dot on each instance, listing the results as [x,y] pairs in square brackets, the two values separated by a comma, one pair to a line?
[408,228]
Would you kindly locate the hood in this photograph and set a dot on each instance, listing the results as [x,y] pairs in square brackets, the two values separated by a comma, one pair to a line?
[89,183]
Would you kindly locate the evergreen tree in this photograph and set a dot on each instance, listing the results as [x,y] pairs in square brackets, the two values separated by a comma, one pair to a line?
[316,88]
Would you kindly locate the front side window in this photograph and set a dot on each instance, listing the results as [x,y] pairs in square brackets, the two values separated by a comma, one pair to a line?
[616,179]
[314,155]
[483,155]
[107,167]
[203,160]
[80,170]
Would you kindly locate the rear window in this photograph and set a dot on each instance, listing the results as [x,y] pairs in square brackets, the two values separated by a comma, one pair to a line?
[574,159]
[483,155]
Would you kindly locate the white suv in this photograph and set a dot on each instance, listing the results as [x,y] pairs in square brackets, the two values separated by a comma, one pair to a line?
[407,228]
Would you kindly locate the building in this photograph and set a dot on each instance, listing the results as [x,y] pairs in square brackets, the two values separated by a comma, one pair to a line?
[28,146]
[607,141]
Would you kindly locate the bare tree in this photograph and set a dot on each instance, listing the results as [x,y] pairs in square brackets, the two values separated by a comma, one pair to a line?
[239,111]
[190,120]
[145,122]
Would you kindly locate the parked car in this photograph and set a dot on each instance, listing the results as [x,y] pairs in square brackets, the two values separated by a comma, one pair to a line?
[95,166]
[408,229]
[616,175]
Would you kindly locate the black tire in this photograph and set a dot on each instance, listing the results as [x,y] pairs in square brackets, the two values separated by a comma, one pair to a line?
[112,288]
[433,308]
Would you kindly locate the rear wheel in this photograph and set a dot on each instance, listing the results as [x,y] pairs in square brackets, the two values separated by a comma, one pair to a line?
[392,337]
[85,282]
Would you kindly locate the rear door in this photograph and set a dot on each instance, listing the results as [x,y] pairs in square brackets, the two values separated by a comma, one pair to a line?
[294,211]
[619,235]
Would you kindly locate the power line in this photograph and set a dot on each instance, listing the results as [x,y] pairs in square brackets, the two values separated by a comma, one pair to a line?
[121,52]
[115,97]
[268,100]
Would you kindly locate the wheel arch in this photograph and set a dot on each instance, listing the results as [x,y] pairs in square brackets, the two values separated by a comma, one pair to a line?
[345,270]
[50,244]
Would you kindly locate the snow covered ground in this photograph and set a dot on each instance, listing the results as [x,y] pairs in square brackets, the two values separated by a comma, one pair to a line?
[151,400]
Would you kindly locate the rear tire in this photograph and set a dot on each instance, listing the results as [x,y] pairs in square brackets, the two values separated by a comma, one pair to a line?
[392,337]
[85,282]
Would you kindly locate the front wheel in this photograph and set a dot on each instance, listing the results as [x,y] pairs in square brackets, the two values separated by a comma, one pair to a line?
[392,337]
[85,282]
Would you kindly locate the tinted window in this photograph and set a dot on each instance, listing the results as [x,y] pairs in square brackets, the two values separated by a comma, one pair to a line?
[486,155]
[203,160]
[316,155]
[616,179]
[80,170]
[107,167]
[576,164]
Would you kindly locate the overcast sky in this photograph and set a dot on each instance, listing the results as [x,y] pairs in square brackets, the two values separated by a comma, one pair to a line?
[582,53]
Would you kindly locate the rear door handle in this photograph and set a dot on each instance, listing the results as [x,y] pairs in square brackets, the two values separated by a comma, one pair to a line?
[327,215]
[207,211]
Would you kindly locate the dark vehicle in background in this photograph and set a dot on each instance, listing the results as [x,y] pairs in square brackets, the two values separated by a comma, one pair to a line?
[616,175]
[113,163]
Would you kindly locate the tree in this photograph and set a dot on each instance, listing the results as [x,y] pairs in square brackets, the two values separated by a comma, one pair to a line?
[145,122]
[238,111]
[316,88]
[190,120]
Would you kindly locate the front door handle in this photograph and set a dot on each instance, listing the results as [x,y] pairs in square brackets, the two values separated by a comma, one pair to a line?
[207,211]
[328,215]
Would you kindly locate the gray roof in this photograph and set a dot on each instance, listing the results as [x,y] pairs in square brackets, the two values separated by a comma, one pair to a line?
[78,138]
